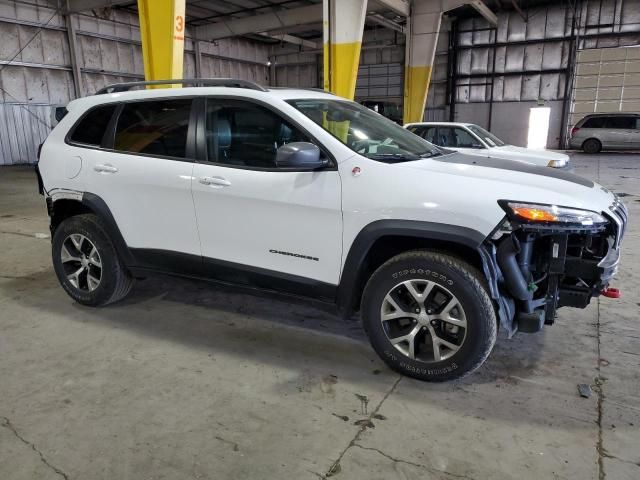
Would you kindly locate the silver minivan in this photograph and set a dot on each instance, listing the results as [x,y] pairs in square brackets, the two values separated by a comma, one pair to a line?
[610,131]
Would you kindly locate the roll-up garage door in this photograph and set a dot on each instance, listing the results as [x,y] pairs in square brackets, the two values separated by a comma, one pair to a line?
[607,81]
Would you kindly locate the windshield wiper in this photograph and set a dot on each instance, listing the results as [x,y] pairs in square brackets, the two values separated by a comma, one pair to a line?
[432,153]
[393,157]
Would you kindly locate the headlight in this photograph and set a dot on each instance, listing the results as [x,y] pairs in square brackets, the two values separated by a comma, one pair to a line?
[557,163]
[540,213]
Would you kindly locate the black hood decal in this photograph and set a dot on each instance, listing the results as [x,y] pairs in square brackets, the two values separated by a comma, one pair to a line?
[514,166]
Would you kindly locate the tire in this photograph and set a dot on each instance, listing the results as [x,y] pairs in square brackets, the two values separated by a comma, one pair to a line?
[87,246]
[448,284]
[592,145]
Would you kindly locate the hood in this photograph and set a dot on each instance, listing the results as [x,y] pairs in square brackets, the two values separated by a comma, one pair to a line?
[515,180]
[538,157]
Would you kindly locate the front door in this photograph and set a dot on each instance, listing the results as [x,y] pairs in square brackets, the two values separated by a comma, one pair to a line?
[461,140]
[257,218]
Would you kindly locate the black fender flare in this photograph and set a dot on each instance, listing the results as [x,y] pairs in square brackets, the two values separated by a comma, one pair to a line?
[100,208]
[351,281]
[97,205]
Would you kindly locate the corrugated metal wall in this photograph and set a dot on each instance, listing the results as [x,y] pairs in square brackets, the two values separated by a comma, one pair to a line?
[110,51]
[527,57]
[22,128]
[291,67]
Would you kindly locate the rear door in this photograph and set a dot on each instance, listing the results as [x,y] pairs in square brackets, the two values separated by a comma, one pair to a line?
[618,130]
[143,172]
[634,138]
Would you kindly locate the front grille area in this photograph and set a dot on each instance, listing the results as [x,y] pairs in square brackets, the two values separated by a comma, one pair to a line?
[620,216]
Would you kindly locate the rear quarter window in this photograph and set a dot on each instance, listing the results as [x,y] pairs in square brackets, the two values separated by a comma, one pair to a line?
[620,122]
[594,122]
[92,126]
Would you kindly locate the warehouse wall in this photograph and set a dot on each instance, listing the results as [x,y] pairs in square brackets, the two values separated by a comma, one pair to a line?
[291,67]
[110,51]
[533,62]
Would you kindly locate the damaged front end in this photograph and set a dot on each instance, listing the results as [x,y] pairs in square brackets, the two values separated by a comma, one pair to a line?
[547,257]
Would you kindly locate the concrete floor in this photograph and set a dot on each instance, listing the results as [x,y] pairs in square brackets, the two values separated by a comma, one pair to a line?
[184,380]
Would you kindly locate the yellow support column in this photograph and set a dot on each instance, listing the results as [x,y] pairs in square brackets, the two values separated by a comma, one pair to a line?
[162,25]
[422,37]
[343,23]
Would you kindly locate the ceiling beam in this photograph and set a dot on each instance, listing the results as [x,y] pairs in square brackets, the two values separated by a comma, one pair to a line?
[74,6]
[485,11]
[517,8]
[315,26]
[385,22]
[260,23]
[284,37]
[399,7]
[283,19]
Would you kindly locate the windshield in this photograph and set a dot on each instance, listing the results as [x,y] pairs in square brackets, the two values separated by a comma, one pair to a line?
[488,137]
[364,131]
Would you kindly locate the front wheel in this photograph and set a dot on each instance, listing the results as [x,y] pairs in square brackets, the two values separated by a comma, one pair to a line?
[428,316]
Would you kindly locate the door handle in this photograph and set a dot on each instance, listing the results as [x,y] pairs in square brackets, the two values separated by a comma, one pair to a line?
[106,168]
[215,181]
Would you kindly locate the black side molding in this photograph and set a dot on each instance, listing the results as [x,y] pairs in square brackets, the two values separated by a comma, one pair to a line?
[229,273]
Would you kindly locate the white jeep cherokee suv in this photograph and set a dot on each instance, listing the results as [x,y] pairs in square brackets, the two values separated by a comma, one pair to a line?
[308,194]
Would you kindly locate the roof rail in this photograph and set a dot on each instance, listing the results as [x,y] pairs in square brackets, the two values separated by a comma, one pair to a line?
[310,89]
[195,82]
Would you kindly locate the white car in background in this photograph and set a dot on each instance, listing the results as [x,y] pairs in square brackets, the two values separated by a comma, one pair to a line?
[475,140]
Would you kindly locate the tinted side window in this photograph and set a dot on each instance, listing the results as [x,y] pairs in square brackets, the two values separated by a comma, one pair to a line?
[155,128]
[244,134]
[93,126]
[620,122]
[455,137]
[594,122]
[446,137]
[428,133]
[465,140]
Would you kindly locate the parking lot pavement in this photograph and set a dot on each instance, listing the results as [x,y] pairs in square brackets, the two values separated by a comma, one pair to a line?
[188,380]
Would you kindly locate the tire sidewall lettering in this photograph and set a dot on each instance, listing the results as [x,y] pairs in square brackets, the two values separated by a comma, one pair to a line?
[430,274]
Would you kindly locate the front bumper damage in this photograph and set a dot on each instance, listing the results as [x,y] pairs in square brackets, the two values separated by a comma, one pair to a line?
[540,268]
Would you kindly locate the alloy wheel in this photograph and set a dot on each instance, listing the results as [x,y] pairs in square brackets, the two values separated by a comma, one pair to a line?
[81,262]
[423,320]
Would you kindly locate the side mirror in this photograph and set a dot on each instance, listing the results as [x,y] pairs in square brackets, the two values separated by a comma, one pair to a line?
[299,156]
[477,145]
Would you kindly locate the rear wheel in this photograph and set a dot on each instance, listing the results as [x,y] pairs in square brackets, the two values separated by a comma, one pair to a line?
[592,146]
[428,316]
[86,262]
